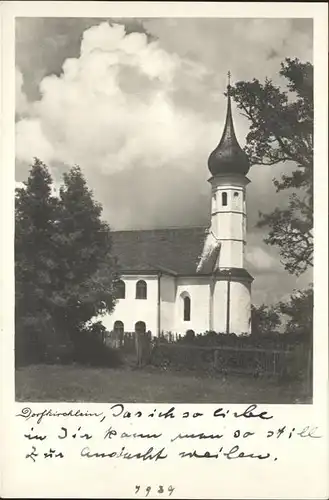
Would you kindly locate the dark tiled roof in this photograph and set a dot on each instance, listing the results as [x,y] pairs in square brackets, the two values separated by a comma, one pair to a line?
[173,250]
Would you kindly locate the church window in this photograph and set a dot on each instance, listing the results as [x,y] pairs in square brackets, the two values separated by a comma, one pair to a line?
[118,326]
[224,199]
[141,290]
[119,329]
[118,334]
[121,290]
[187,308]
[236,194]
[140,327]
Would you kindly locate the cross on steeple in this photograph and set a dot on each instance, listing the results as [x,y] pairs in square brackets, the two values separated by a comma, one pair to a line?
[229,78]
[228,157]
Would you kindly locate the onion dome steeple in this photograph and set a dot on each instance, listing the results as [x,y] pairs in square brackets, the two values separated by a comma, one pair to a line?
[228,157]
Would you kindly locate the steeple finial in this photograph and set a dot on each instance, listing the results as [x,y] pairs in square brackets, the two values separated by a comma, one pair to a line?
[228,157]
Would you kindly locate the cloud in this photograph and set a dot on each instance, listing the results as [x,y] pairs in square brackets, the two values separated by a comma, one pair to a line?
[21,101]
[111,108]
[32,142]
[260,259]
[19,185]
[139,106]
[225,40]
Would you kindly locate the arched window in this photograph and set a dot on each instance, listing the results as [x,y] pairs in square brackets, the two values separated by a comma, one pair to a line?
[236,194]
[121,290]
[187,308]
[224,199]
[118,326]
[141,290]
[118,330]
[140,327]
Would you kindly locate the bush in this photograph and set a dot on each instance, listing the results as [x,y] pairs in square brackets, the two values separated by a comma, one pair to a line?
[285,356]
[181,357]
[90,349]
[36,341]
[271,340]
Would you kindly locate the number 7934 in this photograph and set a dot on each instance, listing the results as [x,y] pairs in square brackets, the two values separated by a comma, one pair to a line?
[160,489]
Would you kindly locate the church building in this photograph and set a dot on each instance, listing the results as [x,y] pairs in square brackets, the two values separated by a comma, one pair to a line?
[191,278]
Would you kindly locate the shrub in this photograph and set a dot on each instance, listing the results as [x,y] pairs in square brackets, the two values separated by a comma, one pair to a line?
[182,356]
[90,349]
[285,356]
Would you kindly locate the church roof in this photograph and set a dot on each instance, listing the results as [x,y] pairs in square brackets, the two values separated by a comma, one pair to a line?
[173,250]
[177,251]
[228,157]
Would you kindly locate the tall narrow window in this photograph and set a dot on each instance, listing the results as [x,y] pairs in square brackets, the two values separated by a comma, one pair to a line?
[141,290]
[187,308]
[121,290]
[224,199]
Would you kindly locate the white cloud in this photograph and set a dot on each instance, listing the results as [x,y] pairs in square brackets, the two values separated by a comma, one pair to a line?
[111,108]
[262,260]
[20,98]
[19,185]
[141,117]
[31,141]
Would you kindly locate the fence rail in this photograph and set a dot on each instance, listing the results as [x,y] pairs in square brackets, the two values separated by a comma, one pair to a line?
[233,359]
[271,360]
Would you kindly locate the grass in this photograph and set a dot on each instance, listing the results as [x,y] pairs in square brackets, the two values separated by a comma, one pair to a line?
[149,385]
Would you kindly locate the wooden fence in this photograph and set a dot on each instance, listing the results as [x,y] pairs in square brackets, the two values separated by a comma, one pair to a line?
[294,361]
[291,360]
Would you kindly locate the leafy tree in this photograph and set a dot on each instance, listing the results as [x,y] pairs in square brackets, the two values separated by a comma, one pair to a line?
[65,271]
[264,320]
[299,310]
[281,130]
[86,270]
[35,215]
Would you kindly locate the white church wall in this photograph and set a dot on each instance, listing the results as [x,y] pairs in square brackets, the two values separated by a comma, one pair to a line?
[232,254]
[168,296]
[239,307]
[230,225]
[219,307]
[199,292]
[130,310]
[228,220]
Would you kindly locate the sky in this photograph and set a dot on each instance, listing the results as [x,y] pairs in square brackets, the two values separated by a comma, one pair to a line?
[139,104]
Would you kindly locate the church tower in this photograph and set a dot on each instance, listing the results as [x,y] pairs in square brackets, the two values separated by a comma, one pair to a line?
[231,291]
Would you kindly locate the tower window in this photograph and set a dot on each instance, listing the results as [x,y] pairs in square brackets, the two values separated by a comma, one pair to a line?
[141,290]
[236,194]
[187,308]
[121,290]
[224,199]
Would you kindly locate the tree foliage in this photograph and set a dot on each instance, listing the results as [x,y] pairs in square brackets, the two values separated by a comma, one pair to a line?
[35,214]
[264,320]
[86,274]
[281,130]
[299,310]
[65,272]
